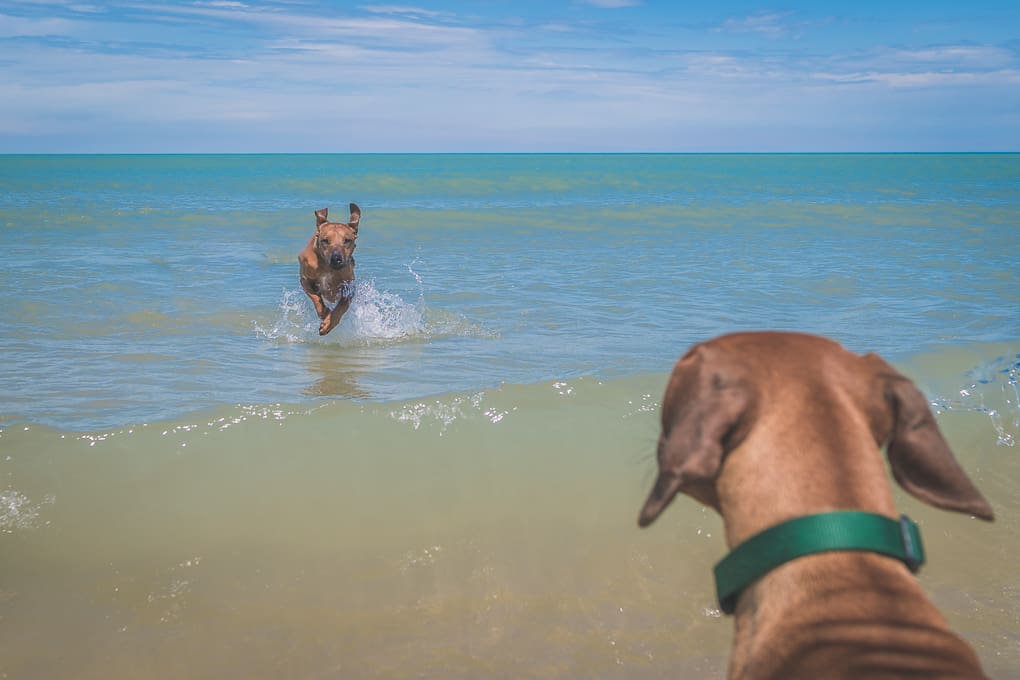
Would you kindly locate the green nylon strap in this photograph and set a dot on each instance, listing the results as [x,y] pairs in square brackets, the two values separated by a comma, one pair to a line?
[845,530]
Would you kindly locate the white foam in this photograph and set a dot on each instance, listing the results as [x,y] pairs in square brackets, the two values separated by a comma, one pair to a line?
[995,392]
[440,411]
[292,324]
[381,315]
[374,316]
[17,512]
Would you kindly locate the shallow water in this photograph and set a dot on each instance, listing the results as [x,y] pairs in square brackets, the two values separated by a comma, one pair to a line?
[194,484]
[491,534]
[140,288]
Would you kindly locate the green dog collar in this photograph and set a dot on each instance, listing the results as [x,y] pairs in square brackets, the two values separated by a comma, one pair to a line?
[847,530]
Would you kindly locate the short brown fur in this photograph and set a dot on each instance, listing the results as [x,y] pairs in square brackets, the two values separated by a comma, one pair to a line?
[327,267]
[765,427]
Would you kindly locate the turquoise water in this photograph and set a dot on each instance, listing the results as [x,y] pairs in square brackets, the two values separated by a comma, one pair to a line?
[140,288]
[194,484]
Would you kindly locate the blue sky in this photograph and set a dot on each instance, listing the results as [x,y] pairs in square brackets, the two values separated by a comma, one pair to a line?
[502,75]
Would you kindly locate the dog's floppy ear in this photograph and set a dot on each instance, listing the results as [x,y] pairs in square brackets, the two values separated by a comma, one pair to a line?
[355,217]
[320,217]
[702,413]
[921,460]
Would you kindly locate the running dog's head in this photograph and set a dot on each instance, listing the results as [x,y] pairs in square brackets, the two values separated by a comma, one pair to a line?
[335,241]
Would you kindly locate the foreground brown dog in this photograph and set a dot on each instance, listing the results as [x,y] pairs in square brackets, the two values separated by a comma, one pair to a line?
[767,427]
[327,267]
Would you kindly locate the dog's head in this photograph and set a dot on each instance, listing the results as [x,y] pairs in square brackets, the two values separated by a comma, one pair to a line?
[712,401]
[335,241]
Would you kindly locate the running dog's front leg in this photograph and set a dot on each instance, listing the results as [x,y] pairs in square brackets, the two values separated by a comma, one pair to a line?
[333,319]
[312,290]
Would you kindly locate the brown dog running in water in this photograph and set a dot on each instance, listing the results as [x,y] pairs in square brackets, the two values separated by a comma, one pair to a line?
[327,267]
[772,427]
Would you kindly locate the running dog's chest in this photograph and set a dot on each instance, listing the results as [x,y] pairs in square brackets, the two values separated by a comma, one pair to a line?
[333,289]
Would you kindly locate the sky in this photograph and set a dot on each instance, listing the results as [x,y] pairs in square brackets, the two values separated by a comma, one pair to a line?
[281,76]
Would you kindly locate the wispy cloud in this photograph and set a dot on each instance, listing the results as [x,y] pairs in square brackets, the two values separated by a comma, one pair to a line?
[956,56]
[404,11]
[22,27]
[612,4]
[223,4]
[769,24]
[252,74]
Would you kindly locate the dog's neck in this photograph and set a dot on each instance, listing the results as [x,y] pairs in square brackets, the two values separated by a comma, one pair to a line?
[843,530]
[764,483]
[894,624]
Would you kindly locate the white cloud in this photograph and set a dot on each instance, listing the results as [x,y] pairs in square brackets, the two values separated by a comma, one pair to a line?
[961,56]
[20,27]
[403,11]
[927,79]
[399,78]
[558,28]
[381,31]
[765,23]
[613,4]
[223,4]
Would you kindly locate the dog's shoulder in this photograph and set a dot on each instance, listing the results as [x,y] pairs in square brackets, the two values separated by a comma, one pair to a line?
[307,256]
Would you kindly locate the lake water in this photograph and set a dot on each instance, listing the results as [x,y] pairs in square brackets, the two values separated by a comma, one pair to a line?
[194,484]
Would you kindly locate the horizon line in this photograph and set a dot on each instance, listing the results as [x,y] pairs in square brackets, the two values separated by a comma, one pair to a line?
[505,153]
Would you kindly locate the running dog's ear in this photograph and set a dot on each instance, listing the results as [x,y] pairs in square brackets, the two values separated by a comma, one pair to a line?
[320,216]
[355,217]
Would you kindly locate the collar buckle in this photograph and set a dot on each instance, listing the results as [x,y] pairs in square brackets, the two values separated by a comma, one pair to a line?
[913,550]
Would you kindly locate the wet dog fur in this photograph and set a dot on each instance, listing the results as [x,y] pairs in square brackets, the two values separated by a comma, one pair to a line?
[327,267]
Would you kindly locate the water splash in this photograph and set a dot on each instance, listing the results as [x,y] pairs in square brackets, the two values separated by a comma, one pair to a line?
[293,324]
[380,315]
[444,412]
[169,600]
[18,512]
[994,389]
[426,557]
[375,315]
[421,284]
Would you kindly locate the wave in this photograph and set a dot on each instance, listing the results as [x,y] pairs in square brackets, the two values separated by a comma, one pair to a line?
[496,518]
